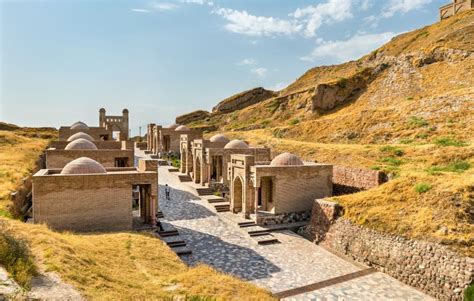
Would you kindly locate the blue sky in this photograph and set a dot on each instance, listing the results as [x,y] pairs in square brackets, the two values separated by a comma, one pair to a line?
[63,60]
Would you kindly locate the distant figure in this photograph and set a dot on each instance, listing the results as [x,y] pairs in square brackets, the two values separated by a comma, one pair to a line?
[167,191]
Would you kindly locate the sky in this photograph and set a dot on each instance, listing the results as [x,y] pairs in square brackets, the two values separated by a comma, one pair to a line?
[61,61]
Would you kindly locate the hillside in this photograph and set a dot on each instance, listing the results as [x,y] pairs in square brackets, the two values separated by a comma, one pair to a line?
[103,266]
[406,108]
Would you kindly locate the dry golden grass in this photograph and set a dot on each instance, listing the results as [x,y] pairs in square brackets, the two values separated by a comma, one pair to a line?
[18,155]
[119,266]
[395,207]
[112,266]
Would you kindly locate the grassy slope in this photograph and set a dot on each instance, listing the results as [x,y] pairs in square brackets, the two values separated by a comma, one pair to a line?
[406,106]
[106,266]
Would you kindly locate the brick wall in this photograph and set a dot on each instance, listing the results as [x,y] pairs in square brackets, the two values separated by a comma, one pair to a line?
[95,132]
[59,158]
[351,179]
[87,202]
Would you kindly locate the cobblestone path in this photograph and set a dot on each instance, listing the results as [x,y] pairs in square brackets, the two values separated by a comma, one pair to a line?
[291,264]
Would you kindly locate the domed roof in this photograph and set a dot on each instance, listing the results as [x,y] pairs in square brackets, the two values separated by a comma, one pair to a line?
[239,144]
[102,110]
[173,126]
[83,165]
[182,128]
[125,111]
[286,159]
[219,138]
[79,126]
[80,143]
[80,135]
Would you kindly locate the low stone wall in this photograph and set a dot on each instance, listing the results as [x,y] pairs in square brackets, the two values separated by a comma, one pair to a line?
[282,218]
[430,267]
[351,179]
[141,145]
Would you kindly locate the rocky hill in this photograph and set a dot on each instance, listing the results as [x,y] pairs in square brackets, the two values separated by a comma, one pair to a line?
[407,108]
[418,86]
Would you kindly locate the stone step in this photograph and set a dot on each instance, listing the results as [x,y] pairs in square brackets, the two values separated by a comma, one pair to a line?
[204,191]
[160,214]
[253,232]
[246,224]
[176,244]
[167,233]
[269,241]
[216,200]
[182,251]
[259,234]
[185,178]
[225,208]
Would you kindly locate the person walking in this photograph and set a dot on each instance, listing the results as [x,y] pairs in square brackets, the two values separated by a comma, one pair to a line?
[167,191]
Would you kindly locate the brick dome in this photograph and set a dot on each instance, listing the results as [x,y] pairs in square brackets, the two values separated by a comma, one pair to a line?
[80,135]
[83,165]
[238,144]
[219,138]
[182,128]
[286,159]
[80,143]
[173,126]
[79,126]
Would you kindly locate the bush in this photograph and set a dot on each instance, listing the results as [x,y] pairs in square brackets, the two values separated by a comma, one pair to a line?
[16,258]
[415,121]
[458,166]
[449,141]
[406,141]
[422,187]
[294,121]
[469,293]
[393,150]
[391,161]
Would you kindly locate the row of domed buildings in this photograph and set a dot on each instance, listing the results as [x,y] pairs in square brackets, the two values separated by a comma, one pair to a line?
[268,190]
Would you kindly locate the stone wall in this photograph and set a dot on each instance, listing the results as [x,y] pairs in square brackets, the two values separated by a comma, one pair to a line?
[282,218]
[430,267]
[351,179]
[59,158]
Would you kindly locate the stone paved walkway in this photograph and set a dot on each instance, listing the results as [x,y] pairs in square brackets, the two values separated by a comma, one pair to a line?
[295,262]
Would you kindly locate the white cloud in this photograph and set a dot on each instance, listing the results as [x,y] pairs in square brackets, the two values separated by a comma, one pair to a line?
[141,10]
[403,6]
[246,62]
[200,2]
[247,24]
[353,48]
[163,6]
[314,16]
[260,72]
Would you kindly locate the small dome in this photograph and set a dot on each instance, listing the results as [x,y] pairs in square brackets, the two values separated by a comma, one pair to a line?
[83,165]
[80,143]
[102,110]
[173,126]
[238,144]
[182,128]
[79,126]
[219,138]
[286,159]
[80,135]
[125,111]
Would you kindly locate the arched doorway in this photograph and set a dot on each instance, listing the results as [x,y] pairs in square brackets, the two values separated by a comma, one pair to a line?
[237,195]
[197,172]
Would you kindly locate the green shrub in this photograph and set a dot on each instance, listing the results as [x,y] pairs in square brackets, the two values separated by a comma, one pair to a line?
[294,121]
[422,187]
[406,140]
[15,256]
[449,141]
[469,293]
[391,161]
[458,166]
[415,121]
[392,150]
[375,167]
